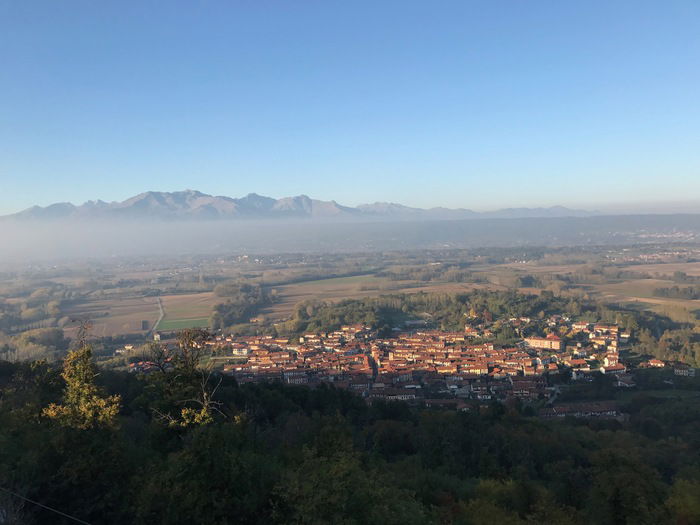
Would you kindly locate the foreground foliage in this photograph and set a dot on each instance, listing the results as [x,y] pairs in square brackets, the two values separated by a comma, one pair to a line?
[83,407]
[277,454]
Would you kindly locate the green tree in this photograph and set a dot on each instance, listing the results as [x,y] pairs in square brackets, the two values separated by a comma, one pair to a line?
[83,405]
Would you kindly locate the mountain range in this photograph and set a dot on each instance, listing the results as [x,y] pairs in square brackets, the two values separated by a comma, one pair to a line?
[195,205]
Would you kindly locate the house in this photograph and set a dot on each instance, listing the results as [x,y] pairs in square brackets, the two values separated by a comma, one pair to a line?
[552,368]
[578,364]
[613,369]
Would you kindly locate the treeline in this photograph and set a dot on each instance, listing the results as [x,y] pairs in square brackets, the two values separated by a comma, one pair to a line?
[329,271]
[677,292]
[684,278]
[188,447]
[428,273]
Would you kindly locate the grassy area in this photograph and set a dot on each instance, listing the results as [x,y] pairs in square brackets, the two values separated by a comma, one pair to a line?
[181,324]
[190,306]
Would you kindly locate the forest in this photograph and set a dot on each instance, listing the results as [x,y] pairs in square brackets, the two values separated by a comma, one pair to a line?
[186,445]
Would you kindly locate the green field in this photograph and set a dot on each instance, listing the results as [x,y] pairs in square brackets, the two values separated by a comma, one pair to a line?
[181,324]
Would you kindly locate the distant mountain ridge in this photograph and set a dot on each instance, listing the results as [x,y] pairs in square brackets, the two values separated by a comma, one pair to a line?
[195,205]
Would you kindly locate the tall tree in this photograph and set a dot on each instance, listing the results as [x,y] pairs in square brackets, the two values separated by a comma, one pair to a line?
[83,405]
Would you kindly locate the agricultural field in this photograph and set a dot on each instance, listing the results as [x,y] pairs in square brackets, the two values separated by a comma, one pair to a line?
[167,325]
[632,292]
[632,289]
[121,315]
[116,316]
[666,269]
[187,310]
[135,291]
[641,293]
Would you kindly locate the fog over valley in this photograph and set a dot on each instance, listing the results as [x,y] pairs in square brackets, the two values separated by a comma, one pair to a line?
[27,241]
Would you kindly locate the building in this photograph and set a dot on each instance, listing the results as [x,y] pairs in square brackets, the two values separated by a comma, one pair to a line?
[684,371]
[551,342]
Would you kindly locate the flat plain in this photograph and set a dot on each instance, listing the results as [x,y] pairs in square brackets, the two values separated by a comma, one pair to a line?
[116,315]
[187,310]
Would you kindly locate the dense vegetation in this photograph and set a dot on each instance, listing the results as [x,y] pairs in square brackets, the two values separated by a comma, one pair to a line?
[36,308]
[41,343]
[189,447]
[243,301]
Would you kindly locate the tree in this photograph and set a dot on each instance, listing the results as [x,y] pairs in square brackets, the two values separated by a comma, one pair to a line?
[187,392]
[83,405]
[331,485]
[684,501]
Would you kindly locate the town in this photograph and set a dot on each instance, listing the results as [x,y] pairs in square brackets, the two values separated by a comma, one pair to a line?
[437,368]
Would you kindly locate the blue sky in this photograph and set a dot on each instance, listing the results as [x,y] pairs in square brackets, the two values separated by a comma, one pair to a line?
[478,104]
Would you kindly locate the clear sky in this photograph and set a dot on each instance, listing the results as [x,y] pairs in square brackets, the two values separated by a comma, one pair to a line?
[478,104]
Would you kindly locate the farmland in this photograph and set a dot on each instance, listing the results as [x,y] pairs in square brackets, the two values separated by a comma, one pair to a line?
[124,297]
[187,310]
[181,324]
[118,315]
[123,315]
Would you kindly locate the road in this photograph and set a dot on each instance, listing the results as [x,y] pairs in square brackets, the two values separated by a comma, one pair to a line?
[160,317]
